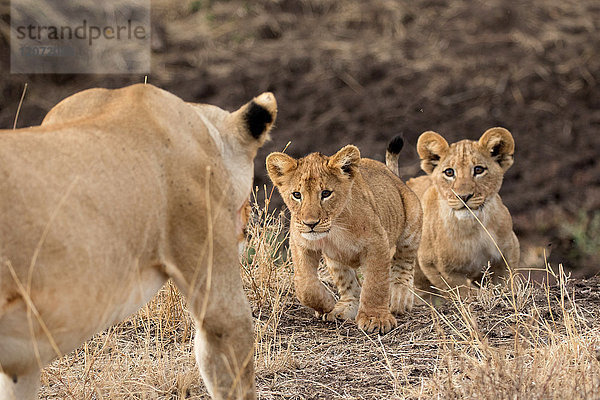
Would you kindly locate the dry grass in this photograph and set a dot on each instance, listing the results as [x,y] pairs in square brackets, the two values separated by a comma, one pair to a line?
[551,351]
[266,272]
[522,340]
[147,356]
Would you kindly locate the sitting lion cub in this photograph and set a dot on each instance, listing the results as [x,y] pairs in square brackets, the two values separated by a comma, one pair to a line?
[455,248]
[353,212]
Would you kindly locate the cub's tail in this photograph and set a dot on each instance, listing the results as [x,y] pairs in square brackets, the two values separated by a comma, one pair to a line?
[392,153]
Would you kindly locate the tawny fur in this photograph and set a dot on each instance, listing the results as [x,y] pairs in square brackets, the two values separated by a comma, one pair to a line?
[371,220]
[455,249]
[117,191]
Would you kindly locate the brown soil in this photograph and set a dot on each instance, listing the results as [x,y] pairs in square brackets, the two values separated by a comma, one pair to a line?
[363,72]
[336,360]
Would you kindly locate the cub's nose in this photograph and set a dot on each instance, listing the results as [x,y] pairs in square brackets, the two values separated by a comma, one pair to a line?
[311,223]
[466,197]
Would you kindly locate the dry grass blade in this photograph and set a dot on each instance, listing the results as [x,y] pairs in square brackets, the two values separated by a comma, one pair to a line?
[545,358]
[19,106]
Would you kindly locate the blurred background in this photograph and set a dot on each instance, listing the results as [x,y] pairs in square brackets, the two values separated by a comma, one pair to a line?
[361,72]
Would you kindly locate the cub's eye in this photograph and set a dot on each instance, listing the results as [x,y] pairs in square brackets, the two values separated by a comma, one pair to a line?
[449,172]
[297,195]
[478,170]
[325,194]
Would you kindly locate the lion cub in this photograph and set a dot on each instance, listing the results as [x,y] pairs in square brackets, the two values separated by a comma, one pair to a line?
[455,249]
[354,212]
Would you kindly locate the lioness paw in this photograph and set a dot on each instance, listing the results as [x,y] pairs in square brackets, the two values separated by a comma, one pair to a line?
[402,299]
[382,321]
[343,310]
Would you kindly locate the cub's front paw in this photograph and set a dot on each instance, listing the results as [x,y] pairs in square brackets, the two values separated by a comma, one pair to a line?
[344,309]
[318,299]
[373,321]
[402,299]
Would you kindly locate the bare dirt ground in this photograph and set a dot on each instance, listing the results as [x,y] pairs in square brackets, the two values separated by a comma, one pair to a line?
[427,353]
[361,72]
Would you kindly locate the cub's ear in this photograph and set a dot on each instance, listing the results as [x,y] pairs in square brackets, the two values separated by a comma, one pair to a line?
[278,166]
[256,117]
[346,160]
[431,147]
[500,145]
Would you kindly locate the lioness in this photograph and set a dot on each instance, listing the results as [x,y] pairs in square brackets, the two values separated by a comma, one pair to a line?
[354,212]
[116,192]
[455,248]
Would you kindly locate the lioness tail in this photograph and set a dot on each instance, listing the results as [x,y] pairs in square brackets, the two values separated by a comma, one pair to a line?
[392,153]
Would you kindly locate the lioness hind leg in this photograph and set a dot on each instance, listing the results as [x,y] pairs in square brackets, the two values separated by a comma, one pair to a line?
[25,388]
[348,287]
[402,279]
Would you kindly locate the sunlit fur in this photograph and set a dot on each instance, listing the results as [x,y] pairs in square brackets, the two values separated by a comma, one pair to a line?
[371,220]
[455,248]
[116,192]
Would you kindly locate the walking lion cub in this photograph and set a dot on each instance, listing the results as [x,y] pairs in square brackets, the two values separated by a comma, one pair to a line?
[354,212]
[455,249]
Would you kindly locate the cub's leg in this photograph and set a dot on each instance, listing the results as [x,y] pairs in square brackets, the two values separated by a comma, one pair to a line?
[374,308]
[512,252]
[26,387]
[498,271]
[427,263]
[402,277]
[346,281]
[422,284]
[460,281]
[443,281]
[404,260]
[310,290]
[449,279]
